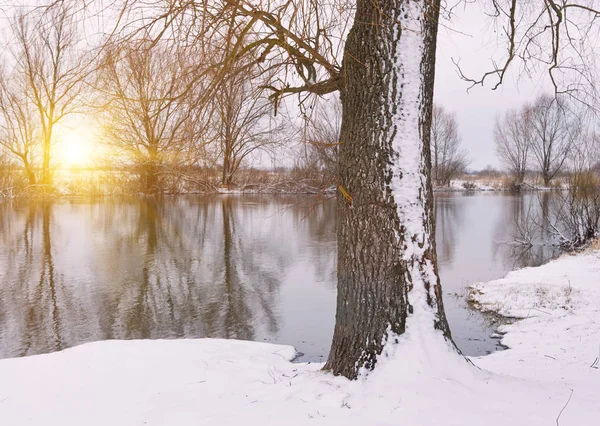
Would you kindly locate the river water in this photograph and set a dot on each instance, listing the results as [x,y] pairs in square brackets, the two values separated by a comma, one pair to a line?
[255,267]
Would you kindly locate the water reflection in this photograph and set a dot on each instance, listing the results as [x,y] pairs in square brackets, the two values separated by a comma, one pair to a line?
[479,247]
[523,235]
[449,223]
[139,269]
[247,267]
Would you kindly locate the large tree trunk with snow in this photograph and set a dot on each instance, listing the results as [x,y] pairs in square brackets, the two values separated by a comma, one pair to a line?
[387,268]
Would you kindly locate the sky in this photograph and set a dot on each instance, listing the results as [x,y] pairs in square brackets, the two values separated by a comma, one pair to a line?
[470,38]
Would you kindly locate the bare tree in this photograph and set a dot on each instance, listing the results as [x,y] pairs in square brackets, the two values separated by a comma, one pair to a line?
[555,129]
[18,132]
[152,120]
[447,157]
[321,142]
[50,55]
[512,135]
[245,122]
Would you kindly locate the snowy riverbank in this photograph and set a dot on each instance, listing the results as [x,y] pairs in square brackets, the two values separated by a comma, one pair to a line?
[418,382]
[557,337]
[492,185]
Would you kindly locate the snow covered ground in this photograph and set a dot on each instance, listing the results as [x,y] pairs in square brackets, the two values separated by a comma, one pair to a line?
[546,378]
[557,339]
[473,185]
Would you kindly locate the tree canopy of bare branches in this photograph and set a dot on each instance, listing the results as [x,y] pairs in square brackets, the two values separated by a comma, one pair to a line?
[245,122]
[321,143]
[448,160]
[541,135]
[551,36]
[555,129]
[512,135]
[49,54]
[153,119]
[18,131]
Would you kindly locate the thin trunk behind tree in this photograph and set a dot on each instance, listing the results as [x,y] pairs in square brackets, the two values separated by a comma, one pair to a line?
[387,266]
[150,183]
[29,171]
[46,172]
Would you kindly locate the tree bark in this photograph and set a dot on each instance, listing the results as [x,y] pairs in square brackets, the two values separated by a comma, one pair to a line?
[46,172]
[387,266]
[547,178]
[29,171]
[150,183]
[227,160]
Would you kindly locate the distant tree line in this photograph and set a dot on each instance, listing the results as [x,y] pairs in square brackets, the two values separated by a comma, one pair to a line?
[161,114]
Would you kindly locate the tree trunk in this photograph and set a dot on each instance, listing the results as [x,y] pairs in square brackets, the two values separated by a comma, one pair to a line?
[227,161]
[46,176]
[387,266]
[46,172]
[150,179]
[29,172]
[547,178]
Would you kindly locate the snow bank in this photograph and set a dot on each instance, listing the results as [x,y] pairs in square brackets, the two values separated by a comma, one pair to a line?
[420,381]
[473,185]
[557,339]
[485,185]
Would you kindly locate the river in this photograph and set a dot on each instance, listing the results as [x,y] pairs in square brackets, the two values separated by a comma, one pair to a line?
[255,267]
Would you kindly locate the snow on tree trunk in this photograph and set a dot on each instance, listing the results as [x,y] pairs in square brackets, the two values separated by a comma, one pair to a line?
[387,267]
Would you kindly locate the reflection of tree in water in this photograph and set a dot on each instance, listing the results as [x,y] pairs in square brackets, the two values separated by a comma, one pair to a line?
[227,314]
[449,214]
[32,295]
[525,215]
[155,294]
[152,268]
[318,214]
[47,280]
[201,274]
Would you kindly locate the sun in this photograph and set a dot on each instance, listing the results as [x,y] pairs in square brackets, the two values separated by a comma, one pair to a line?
[75,146]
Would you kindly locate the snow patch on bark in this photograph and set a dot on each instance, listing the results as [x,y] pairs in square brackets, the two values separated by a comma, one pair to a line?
[409,181]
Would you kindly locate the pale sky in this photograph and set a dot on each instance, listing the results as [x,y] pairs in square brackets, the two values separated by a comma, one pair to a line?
[476,111]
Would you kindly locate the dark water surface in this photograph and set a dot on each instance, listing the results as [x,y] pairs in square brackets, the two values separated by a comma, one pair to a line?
[247,267]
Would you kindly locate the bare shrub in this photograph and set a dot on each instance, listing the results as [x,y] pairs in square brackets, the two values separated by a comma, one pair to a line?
[580,216]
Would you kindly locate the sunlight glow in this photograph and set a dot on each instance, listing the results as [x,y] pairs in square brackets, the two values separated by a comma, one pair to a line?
[76,146]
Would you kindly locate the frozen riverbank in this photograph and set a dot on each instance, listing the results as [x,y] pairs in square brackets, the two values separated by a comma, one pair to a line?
[548,373]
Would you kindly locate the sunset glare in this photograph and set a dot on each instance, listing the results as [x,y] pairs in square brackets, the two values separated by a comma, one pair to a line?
[75,147]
